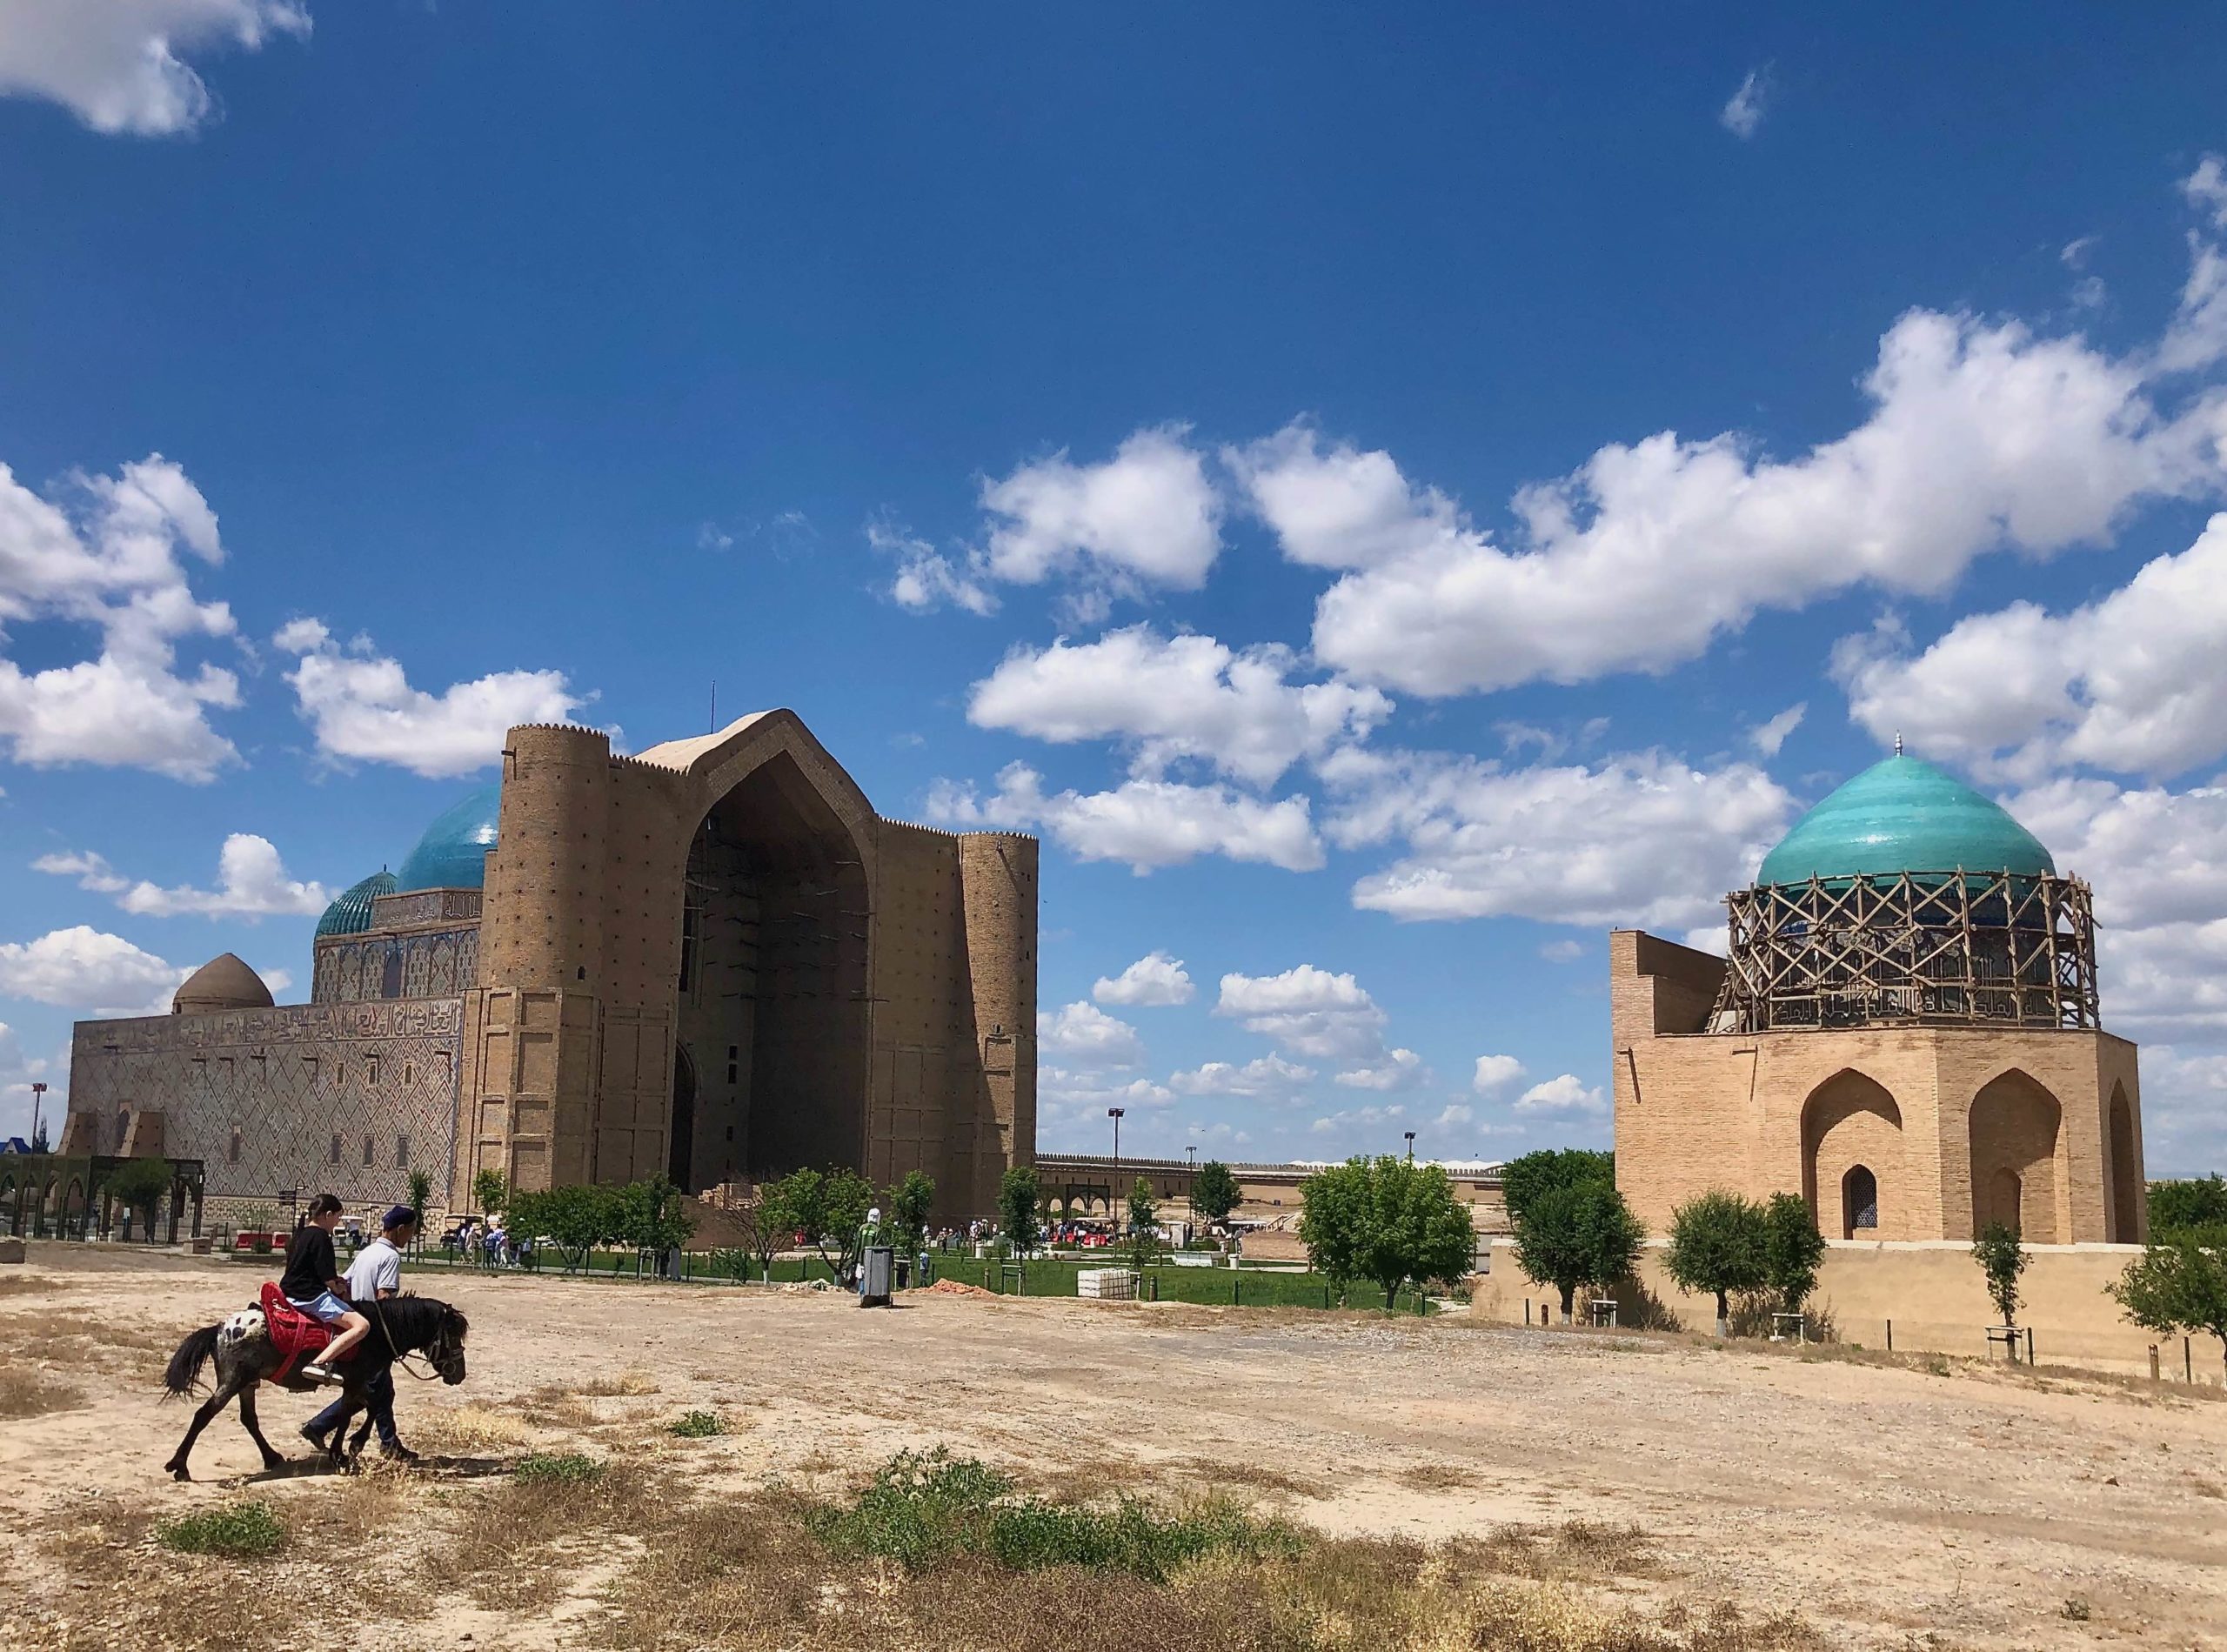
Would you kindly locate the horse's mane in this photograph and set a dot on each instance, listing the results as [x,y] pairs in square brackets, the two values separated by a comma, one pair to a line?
[415,1319]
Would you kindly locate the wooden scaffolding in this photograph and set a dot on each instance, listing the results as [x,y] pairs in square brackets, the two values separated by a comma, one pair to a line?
[1917,948]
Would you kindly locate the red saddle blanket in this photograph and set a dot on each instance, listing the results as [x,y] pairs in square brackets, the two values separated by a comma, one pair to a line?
[293,1333]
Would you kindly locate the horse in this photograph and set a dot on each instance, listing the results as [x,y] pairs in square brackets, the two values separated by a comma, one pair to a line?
[247,1356]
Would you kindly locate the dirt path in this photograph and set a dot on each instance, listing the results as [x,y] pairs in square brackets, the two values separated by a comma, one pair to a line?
[1881,1503]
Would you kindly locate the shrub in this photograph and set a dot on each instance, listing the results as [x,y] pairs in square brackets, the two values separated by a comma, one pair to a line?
[489,1191]
[924,1509]
[699,1425]
[240,1531]
[558,1468]
[1017,1209]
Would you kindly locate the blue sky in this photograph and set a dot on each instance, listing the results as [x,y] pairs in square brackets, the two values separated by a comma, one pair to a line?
[1371,490]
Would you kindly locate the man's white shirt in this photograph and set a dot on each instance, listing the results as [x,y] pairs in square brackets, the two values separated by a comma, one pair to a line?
[378,1267]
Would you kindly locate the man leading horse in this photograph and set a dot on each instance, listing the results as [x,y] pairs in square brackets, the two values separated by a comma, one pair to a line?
[375,1276]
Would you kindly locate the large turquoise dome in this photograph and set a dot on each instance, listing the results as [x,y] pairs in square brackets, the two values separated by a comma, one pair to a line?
[352,914]
[1903,815]
[453,853]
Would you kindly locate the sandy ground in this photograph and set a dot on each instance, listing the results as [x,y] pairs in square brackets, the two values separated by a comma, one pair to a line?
[1883,1504]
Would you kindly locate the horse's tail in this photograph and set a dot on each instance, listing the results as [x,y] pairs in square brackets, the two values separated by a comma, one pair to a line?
[184,1373]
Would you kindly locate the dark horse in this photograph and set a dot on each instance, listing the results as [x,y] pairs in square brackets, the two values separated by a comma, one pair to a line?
[246,1358]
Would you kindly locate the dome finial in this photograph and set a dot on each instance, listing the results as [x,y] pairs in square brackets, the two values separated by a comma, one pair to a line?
[1898,742]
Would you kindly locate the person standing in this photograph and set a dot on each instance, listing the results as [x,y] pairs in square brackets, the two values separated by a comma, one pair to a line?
[374,1276]
[313,1283]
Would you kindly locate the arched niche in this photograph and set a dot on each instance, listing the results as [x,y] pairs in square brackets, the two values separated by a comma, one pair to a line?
[773,999]
[2015,1131]
[1851,1121]
[2127,1193]
[1859,1203]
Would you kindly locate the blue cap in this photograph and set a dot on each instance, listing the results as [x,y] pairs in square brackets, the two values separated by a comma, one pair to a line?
[398,1216]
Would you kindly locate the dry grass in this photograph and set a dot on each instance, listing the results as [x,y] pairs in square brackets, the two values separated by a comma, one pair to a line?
[26,1285]
[1437,1476]
[612,1388]
[469,1431]
[1575,1551]
[1253,1477]
[33,1394]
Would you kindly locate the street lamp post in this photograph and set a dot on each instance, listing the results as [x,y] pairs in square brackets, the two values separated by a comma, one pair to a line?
[1113,1201]
[38,1100]
[1193,1152]
[1411,1146]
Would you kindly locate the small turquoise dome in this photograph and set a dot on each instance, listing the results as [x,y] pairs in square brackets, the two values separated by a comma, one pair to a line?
[1903,815]
[453,853]
[352,914]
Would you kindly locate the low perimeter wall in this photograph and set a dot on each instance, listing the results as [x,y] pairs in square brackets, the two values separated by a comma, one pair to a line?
[1931,1289]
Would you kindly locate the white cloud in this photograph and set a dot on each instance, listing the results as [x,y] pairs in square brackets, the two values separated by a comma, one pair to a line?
[1144,823]
[363,707]
[926,578]
[1308,1011]
[2205,190]
[1070,1099]
[2184,1111]
[1562,952]
[1147,517]
[1270,1075]
[253,880]
[1352,1120]
[108,554]
[1495,1074]
[1980,436]
[1743,112]
[1083,1033]
[1452,1115]
[85,968]
[1173,697]
[1561,1094]
[1155,979]
[2135,682]
[2157,862]
[115,63]
[1396,1070]
[1767,737]
[1639,838]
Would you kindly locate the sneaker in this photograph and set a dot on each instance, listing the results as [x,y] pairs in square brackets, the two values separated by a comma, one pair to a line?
[322,1441]
[398,1453]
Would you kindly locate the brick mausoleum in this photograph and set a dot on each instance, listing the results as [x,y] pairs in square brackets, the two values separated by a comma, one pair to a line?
[713,960]
[1906,1033]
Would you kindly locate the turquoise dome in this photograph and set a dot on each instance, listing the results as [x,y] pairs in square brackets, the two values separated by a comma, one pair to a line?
[352,914]
[1903,815]
[453,853]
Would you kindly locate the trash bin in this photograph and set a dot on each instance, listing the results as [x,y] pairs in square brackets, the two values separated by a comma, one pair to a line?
[877,1267]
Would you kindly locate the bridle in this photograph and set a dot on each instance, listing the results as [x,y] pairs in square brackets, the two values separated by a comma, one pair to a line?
[440,1356]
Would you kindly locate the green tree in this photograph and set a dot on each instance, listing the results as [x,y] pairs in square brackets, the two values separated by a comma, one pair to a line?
[1333,1219]
[1717,1245]
[1578,1234]
[140,1185]
[2002,1258]
[1524,1179]
[1793,1249]
[1144,1225]
[1017,1210]
[577,1219]
[489,1191]
[2200,1202]
[1385,1219]
[909,1203]
[1214,1192]
[827,1207]
[649,1216]
[2179,1285]
[419,1192]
